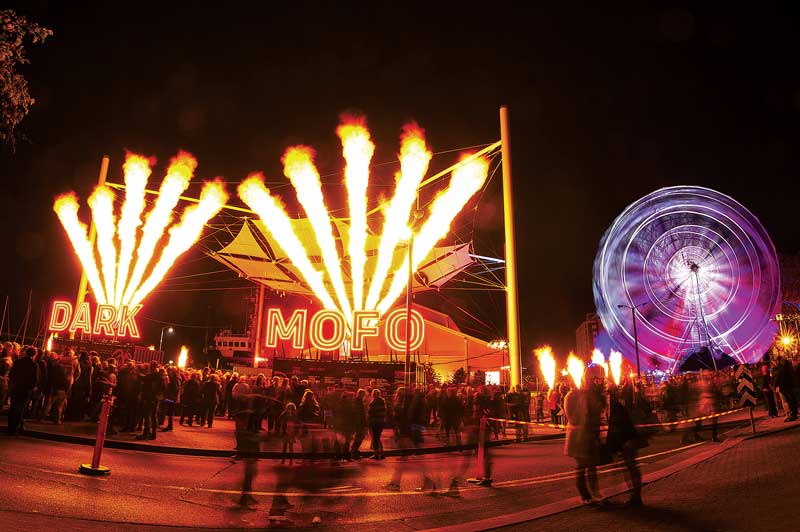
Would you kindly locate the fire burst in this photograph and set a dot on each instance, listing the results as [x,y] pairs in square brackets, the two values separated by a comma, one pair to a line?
[357,148]
[547,364]
[576,368]
[121,278]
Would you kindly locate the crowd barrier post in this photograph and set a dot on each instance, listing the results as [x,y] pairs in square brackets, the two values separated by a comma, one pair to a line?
[482,424]
[95,469]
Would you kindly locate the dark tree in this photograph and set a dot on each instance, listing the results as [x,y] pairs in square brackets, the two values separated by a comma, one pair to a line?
[15,100]
[459,376]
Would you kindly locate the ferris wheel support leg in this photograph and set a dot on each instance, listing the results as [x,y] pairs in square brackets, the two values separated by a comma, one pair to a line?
[512,299]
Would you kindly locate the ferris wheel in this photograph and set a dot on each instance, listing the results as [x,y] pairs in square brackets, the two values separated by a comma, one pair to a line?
[695,273]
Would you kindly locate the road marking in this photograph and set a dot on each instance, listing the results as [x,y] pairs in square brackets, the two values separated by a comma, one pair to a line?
[601,470]
[50,472]
[340,491]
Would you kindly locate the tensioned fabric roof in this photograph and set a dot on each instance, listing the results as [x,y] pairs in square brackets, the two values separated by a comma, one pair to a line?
[254,254]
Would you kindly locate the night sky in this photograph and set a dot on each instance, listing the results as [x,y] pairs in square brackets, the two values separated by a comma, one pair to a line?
[606,106]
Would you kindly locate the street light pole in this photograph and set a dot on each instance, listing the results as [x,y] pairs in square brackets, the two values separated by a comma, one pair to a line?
[409,293]
[635,334]
[161,339]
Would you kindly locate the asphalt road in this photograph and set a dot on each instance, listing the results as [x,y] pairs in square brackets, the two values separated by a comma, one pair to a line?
[754,486]
[40,488]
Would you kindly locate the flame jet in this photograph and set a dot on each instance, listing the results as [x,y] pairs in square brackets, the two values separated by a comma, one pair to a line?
[66,208]
[547,364]
[179,174]
[298,165]
[357,149]
[184,234]
[615,363]
[101,202]
[269,209]
[467,179]
[414,160]
[137,172]
[113,287]
[576,368]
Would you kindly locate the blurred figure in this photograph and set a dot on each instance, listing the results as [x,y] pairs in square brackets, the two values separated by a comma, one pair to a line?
[583,408]
[554,403]
[377,419]
[451,411]
[622,438]
[360,423]
[172,395]
[289,428]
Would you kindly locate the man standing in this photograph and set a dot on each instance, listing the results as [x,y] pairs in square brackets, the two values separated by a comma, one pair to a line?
[22,379]
[784,383]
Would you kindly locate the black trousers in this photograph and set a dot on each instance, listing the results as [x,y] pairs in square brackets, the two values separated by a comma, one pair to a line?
[17,411]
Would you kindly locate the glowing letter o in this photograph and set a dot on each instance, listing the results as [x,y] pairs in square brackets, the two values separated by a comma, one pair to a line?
[392,330]
[317,338]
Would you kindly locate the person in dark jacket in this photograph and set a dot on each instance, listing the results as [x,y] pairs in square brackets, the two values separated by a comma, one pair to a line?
[172,395]
[210,396]
[81,389]
[784,383]
[189,399]
[22,379]
[451,411]
[153,387]
[376,418]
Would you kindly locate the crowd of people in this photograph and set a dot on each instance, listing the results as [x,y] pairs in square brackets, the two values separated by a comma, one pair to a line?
[147,397]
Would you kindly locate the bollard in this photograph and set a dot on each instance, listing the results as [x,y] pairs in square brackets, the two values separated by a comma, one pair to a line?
[481,451]
[95,468]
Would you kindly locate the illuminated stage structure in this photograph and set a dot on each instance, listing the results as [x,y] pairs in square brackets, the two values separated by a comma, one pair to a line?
[355,269]
[364,262]
[685,278]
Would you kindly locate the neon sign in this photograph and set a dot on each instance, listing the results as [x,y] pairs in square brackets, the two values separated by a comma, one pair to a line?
[108,320]
[298,329]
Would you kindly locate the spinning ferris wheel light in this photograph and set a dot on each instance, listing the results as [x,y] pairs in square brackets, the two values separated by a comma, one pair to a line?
[697,275]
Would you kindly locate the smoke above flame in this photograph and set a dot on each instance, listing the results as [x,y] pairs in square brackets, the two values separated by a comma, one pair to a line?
[357,148]
[122,247]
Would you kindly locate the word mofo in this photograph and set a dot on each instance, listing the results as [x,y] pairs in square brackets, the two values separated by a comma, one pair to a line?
[365,325]
[108,319]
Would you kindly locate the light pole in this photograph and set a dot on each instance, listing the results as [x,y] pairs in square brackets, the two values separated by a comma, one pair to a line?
[409,294]
[633,308]
[417,216]
[161,340]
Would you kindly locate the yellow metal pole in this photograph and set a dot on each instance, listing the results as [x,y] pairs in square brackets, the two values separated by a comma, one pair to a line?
[101,180]
[512,299]
[259,321]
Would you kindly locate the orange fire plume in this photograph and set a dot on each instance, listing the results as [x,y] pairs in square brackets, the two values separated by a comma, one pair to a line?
[414,159]
[258,198]
[116,255]
[357,149]
[576,368]
[547,364]
[467,178]
[298,165]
